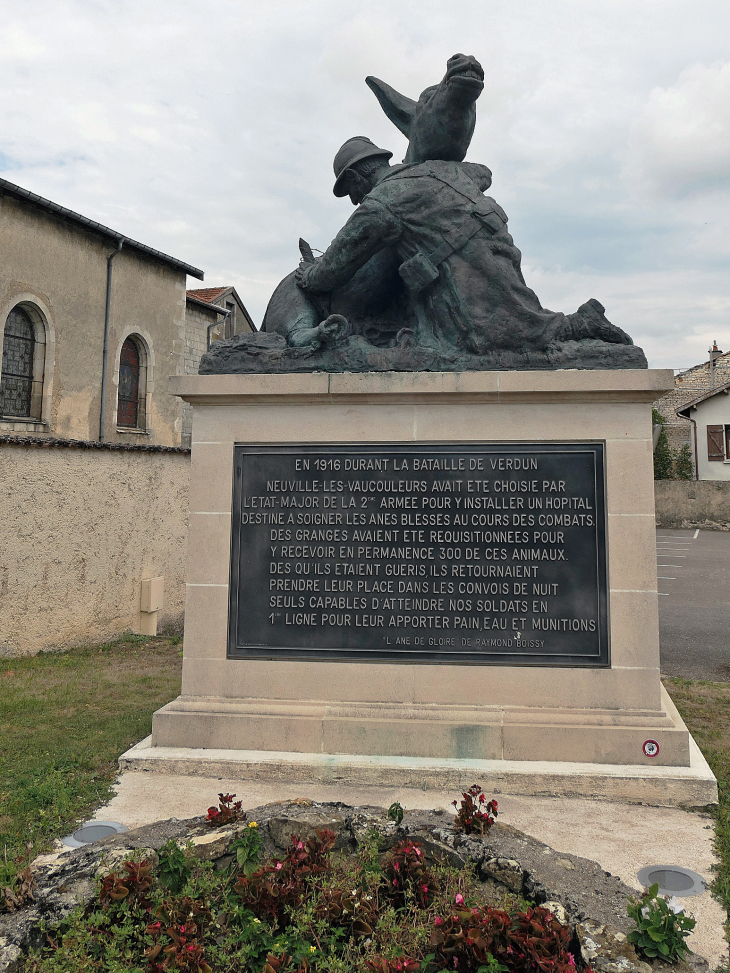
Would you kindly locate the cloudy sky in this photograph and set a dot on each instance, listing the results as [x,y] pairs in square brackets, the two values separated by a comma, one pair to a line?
[206,129]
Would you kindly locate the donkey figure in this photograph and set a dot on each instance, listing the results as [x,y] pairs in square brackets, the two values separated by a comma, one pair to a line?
[439,125]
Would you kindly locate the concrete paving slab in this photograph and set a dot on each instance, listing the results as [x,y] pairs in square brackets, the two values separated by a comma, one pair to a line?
[622,838]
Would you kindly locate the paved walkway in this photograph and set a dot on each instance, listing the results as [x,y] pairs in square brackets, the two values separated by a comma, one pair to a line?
[622,838]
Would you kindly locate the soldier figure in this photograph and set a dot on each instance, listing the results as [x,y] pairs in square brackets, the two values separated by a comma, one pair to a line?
[457,258]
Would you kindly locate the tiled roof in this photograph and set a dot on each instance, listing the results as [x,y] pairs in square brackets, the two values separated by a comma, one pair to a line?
[701,398]
[208,294]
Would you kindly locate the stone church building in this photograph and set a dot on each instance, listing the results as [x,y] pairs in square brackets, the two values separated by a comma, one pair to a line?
[94,451]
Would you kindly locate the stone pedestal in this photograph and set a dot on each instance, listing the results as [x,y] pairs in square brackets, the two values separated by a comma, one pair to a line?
[438,712]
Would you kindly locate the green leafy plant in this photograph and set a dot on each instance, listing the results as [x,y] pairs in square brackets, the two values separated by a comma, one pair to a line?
[174,868]
[660,932]
[683,469]
[663,465]
[475,815]
[247,848]
[395,812]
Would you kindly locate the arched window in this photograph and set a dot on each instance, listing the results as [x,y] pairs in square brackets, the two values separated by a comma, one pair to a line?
[21,367]
[132,385]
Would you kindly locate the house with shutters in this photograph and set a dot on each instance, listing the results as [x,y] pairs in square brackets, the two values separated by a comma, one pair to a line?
[709,419]
[691,384]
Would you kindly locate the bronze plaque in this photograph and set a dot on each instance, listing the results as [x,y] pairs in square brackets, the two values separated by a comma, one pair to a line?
[475,554]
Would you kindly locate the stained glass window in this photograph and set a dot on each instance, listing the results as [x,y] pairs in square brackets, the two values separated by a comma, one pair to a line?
[16,382]
[128,397]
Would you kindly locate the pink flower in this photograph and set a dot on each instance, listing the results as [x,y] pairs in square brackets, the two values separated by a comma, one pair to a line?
[395,882]
[278,866]
[396,867]
[456,962]
[417,851]
[182,930]
[424,889]
[571,960]
[300,845]
[437,921]
[459,899]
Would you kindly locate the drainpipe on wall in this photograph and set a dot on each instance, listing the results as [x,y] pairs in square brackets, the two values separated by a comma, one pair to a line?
[215,325]
[102,412]
[694,431]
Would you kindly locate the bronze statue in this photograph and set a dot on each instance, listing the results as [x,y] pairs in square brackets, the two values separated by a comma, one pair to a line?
[424,274]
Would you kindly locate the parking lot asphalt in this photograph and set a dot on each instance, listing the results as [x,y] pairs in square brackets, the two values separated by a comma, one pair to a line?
[693,569]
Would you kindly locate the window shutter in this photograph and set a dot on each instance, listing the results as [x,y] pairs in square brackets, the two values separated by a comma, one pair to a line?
[715,446]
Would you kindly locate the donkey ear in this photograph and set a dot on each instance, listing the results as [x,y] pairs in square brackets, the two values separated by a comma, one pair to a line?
[399,109]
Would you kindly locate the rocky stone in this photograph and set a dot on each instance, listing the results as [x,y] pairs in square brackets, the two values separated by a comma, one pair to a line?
[263,352]
[10,956]
[306,822]
[559,912]
[607,951]
[579,892]
[506,871]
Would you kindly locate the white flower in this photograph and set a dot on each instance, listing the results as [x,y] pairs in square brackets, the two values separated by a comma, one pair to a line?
[675,905]
[645,912]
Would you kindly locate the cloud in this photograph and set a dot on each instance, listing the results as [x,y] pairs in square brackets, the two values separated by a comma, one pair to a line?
[207,129]
[680,141]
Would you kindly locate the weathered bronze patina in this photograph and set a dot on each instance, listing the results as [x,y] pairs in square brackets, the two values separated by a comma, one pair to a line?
[425,274]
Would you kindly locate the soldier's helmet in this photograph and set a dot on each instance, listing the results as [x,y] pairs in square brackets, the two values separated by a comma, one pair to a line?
[354,150]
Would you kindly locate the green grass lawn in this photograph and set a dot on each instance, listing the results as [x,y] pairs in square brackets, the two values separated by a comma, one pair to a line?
[705,708]
[65,718]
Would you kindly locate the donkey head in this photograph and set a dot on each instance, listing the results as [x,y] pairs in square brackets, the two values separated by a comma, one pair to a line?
[441,123]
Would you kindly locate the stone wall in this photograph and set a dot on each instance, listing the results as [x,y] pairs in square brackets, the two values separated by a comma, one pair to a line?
[692,503]
[80,528]
[690,385]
